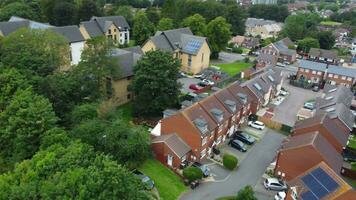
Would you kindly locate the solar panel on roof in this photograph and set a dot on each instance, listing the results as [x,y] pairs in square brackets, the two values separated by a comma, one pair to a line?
[193,45]
[309,196]
[314,186]
[329,183]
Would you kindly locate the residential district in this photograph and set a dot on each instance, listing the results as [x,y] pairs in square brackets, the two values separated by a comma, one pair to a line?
[178,99]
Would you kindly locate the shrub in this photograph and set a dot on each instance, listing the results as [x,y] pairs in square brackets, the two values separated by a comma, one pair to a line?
[237,50]
[286,129]
[230,161]
[192,173]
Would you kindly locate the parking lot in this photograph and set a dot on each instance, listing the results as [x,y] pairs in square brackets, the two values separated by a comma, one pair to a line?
[186,82]
[286,112]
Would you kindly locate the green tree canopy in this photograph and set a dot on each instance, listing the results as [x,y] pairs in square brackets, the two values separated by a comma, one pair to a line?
[326,39]
[27,117]
[126,11]
[64,13]
[87,9]
[196,23]
[236,16]
[18,9]
[271,12]
[153,15]
[219,34]
[71,171]
[34,52]
[299,26]
[155,83]
[307,43]
[165,24]
[142,28]
[246,194]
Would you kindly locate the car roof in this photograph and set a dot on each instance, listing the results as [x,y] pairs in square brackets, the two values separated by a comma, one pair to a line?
[273,180]
[258,122]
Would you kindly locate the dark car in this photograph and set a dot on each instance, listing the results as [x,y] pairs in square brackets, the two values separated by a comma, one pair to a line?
[203,84]
[316,88]
[349,155]
[244,137]
[205,169]
[147,181]
[237,144]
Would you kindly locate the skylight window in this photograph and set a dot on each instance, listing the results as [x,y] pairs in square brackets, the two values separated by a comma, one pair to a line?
[270,78]
[218,114]
[329,97]
[201,125]
[332,109]
[332,90]
[257,86]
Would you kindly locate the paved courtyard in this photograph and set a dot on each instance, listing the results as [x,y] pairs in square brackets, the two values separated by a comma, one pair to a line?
[226,57]
[249,172]
[286,112]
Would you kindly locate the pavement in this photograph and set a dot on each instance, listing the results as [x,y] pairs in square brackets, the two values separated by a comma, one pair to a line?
[186,82]
[249,172]
[226,57]
[286,112]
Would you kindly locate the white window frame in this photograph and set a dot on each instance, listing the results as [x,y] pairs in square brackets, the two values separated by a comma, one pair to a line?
[204,141]
[203,153]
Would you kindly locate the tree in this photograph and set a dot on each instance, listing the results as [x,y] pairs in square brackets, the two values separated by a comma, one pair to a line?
[126,11]
[299,26]
[64,13]
[155,83]
[272,12]
[196,23]
[153,15]
[236,17]
[84,112]
[142,28]
[170,9]
[192,173]
[18,9]
[27,117]
[307,43]
[71,171]
[326,39]
[10,81]
[219,34]
[87,9]
[165,24]
[246,194]
[229,161]
[34,52]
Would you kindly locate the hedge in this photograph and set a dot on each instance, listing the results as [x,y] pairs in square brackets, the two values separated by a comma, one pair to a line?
[192,173]
[230,161]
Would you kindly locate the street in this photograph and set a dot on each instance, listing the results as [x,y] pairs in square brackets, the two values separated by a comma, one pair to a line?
[248,173]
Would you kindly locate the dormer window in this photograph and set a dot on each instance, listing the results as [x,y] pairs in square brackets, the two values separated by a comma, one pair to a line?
[218,114]
[231,105]
[270,78]
[242,97]
[332,109]
[329,97]
[257,86]
[202,125]
[332,90]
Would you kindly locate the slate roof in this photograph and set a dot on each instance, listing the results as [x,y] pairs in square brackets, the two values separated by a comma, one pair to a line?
[340,94]
[92,28]
[8,27]
[99,25]
[181,38]
[196,113]
[282,46]
[175,143]
[252,22]
[134,49]
[343,71]
[126,61]
[323,53]
[71,33]
[306,64]
[228,100]
[341,112]
[212,105]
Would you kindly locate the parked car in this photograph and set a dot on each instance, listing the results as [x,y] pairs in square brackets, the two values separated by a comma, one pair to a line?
[257,125]
[280,196]
[237,144]
[316,88]
[200,76]
[146,180]
[208,82]
[202,84]
[280,64]
[275,184]
[286,63]
[283,92]
[195,87]
[205,169]
[309,105]
[349,155]
[244,137]
[182,75]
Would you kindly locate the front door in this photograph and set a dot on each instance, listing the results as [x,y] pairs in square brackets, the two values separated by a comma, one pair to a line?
[169,160]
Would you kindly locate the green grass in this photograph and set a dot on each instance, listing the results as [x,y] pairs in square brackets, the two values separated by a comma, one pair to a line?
[168,184]
[233,68]
[330,23]
[352,142]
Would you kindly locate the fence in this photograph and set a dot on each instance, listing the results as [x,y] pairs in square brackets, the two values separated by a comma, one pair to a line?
[302,84]
[275,125]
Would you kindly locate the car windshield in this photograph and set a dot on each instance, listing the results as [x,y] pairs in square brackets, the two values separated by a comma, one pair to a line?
[258,123]
[281,182]
[245,135]
[239,143]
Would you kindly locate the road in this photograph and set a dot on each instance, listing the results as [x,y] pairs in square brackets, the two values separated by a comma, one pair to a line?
[248,173]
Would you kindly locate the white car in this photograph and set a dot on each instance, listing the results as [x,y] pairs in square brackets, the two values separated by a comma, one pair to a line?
[257,125]
[208,82]
[280,196]
[275,184]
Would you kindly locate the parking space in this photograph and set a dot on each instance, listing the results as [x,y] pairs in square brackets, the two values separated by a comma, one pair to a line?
[186,82]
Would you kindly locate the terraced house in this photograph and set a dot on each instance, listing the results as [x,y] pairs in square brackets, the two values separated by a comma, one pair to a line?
[193,51]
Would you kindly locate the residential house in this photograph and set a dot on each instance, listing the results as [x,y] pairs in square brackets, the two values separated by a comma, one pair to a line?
[334,134]
[301,152]
[127,59]
[337,75]
[275,79]
[341,115]
[171,150]
[221,117]
[311,71]
[72,34]
[353,47]
[248,100]
[193,51]
[320,182]
[246,42]
[263,28]
[266,60]
[113,27]
[283,49]
[299,5]
[196,127]
[323,55]
[262,90]
[234,106]
[264,2]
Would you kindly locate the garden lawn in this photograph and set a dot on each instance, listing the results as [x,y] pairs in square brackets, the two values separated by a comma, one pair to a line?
[352,142]
[168,184]
[234,68]
[330,23]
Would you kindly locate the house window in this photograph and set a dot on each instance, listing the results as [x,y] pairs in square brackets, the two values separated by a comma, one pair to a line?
[349,78]
[313,72]
[109,32]
[220,129]
[330,75]
[128,96]
[203,153]
[114,30]
[190,60]
[343,77]
[183,158]
[205,139]
[115,38]
[307,70]
[108,87]
[319,73]
[70,55]
[202,57]
[336,76]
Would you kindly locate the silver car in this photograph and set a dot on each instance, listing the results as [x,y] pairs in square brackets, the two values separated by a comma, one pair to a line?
[275,184]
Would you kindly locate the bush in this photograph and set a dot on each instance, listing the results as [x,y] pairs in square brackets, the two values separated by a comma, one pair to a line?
[237,50]
[230,161]
[192,173]
[286,129]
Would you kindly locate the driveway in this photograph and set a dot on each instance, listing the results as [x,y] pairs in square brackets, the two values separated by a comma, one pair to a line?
[185,84]
[248,173]
[286,112]
[226,57]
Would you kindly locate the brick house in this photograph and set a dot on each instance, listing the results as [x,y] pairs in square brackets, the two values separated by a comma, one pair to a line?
[171,150]
[249,101]
[220,115]
[337,75]
[301,152]
[266,60]
[323,55]
[282,50]
[334,134]
[275,79]
[320,182]
[260,89]
[341,115]
[311,71]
